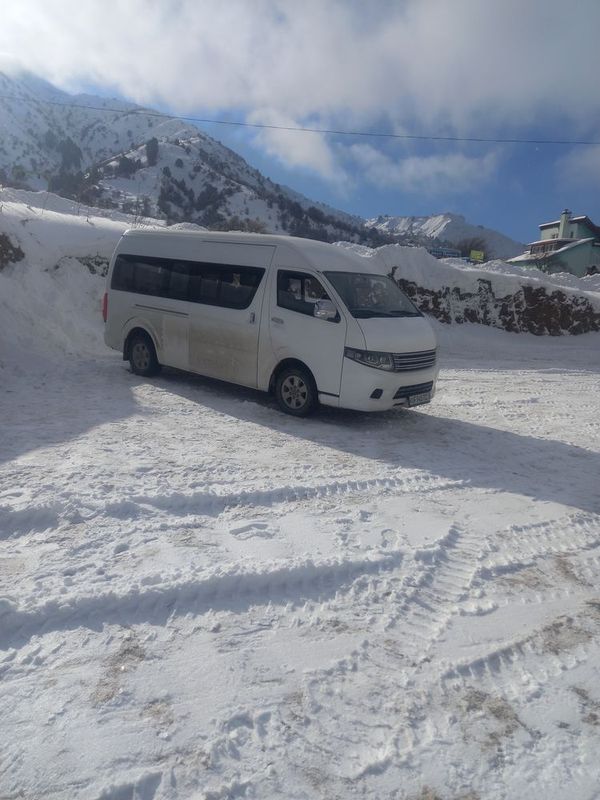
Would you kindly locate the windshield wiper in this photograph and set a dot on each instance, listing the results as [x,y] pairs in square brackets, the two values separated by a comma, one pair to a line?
[363,313]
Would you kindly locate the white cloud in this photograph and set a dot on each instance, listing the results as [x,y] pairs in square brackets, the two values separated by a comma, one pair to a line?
[295,149]
[581,167]
[464,63]
[422,66]
[451,172]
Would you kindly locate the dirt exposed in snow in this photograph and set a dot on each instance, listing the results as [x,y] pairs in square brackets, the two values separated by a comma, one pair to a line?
[529,309]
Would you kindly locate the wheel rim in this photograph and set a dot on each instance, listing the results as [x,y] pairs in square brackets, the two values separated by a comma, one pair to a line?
[140,355]
[294,392]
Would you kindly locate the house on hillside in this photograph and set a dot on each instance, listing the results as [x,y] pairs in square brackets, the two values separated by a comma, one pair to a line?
[571,244]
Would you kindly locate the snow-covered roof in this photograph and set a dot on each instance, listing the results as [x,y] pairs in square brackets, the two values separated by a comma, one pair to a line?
[538,256]
[549,224]
[581,218]
[545,241]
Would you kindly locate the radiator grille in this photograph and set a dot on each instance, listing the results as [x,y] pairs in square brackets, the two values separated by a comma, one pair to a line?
[405,362]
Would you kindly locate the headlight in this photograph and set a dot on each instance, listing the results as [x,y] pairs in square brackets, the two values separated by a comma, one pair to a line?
[370,358]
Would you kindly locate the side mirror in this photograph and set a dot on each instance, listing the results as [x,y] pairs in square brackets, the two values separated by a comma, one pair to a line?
[324,309]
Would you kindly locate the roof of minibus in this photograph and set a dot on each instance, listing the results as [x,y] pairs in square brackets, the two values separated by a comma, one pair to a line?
[316,254]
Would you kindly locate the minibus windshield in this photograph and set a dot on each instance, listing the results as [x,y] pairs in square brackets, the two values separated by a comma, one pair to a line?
[367,295]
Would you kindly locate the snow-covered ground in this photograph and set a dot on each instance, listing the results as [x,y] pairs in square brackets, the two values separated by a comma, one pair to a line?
[201,597]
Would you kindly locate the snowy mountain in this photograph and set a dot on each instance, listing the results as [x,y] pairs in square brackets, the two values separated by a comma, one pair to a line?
[449,228]
[116,155]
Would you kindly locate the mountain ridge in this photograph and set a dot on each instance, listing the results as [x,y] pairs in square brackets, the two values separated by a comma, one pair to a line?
[450,228]
[117,155]
[112,154]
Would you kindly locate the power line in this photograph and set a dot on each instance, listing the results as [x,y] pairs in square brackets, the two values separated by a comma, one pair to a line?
[303,129]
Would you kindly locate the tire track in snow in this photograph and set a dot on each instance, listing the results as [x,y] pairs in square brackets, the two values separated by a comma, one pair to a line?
[205,503]
[533,662]
[560,644]
[233,590]
[419,705]
[564,642]
[18,522]
[453,568]
[566,639]
[426,594]
[521,545]
[450,568]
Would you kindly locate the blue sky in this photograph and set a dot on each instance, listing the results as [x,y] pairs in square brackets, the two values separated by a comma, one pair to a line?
[463,68]
[528,187]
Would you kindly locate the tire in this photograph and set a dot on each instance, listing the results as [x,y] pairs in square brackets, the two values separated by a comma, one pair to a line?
[295,392]
[142,356]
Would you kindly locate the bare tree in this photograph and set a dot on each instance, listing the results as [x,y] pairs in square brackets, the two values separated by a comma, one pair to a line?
[474,243]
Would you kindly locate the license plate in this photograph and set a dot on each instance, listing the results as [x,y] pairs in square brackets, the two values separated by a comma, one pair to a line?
[419,399]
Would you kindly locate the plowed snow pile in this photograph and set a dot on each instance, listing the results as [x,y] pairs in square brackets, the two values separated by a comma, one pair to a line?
[500,295]
[201,597]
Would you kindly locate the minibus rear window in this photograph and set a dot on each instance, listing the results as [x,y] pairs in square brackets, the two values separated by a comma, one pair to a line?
[123,277]
[141,275]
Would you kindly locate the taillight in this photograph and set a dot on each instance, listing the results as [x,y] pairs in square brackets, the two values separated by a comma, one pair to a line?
[105,306]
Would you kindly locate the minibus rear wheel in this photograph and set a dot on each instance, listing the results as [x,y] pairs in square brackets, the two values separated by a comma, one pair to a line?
[142,356]
[295,391]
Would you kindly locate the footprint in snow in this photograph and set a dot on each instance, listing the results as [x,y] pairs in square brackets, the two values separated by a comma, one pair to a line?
[253,530]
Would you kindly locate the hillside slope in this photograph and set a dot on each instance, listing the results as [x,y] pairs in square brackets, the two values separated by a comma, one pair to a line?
[120,156]
[117,155]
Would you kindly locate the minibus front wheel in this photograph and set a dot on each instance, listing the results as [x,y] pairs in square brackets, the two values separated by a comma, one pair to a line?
[295,391]
[142,355]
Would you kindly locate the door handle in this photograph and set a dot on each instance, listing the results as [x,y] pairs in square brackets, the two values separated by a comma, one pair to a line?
[277,320]
[252,318]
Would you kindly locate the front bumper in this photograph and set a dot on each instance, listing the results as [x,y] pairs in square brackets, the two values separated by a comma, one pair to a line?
[391,389]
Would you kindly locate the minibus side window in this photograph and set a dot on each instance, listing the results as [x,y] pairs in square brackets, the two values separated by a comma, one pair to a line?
[151,278]
[179,280]
[222,285]
[238,286]
[299,292]
[204,284]
[198,282]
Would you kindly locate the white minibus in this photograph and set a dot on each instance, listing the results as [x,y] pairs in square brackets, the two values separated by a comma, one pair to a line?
[311,322]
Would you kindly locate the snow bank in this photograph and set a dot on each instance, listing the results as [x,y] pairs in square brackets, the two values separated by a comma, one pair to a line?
[504,296]
[50,298]
[50,295]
